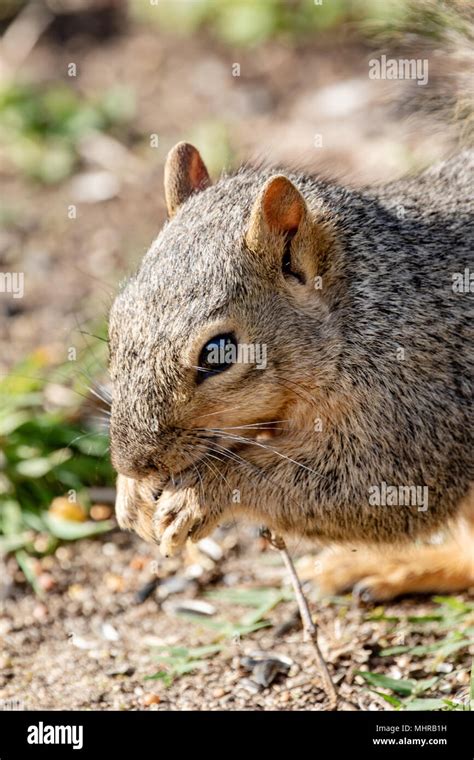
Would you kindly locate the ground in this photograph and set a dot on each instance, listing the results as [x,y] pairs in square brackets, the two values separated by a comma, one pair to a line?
[88,643]
[92,642]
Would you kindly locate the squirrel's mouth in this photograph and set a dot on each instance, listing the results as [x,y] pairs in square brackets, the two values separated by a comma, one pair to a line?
[176,478]
[250,435]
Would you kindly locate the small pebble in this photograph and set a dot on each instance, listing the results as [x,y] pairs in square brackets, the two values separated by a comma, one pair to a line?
[46,582]
[176,584]
[265,666]
[138,563]
[211,548]
[190,607]
[109,549]
[151,699]
[40,612]
[114,582]
[125,670]
[146,591]
[109,632]
[100,512]
[250,686]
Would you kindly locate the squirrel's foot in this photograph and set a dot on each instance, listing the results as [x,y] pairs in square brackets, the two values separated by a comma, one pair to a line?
[181,515]
[375,576]
[371,576]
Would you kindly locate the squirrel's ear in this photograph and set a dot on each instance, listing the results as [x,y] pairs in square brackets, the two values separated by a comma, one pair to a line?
[280,208]
[185,173]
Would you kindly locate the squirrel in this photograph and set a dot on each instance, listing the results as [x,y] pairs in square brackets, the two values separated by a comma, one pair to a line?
[357,427]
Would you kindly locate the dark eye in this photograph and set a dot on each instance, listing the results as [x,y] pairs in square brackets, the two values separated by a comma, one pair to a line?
[217,355]
[286,263]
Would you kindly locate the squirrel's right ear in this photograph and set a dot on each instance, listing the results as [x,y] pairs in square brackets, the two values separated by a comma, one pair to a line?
[185,173]
[279,208]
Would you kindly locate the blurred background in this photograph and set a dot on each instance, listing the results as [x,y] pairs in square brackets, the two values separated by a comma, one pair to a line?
[93,93]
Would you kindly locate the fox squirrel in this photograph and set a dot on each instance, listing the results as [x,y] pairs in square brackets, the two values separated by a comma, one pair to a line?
[357,427]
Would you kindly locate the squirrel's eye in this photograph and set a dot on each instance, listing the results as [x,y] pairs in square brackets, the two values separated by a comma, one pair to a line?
[217,355]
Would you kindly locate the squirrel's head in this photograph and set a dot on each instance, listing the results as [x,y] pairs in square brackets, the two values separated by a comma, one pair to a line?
[216,338]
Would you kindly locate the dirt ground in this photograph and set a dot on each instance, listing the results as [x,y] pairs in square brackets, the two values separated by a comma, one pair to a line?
[92,643]
[89,643]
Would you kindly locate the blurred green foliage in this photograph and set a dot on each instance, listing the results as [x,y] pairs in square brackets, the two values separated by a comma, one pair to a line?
[46,452]
[249,22]
[41,127]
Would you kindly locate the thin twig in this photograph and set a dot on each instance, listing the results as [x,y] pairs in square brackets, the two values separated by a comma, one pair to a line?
[309,627]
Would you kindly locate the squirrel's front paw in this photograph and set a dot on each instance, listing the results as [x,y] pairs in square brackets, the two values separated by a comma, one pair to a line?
[180,515]
[134,507]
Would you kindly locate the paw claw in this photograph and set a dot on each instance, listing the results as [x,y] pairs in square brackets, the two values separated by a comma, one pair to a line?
[363,593]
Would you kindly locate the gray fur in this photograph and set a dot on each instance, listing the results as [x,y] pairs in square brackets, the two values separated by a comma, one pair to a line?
[387,284]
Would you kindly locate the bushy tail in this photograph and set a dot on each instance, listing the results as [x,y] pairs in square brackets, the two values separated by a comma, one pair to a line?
[443,33]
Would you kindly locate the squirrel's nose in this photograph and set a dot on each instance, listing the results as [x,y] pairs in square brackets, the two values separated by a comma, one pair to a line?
[133,468]
[135,464]
[131,454]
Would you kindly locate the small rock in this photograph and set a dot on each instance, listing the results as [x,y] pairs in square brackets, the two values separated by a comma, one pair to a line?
[80,643]
[265,667]
[211,548]
[77,593]
[146,591]
[190,607]
[138,563]
[40,612]
[266,671]
[46,582]
[176,584]
[109,549]
[125,670]
[114,582]
[151,699]
[100,512]
[194,571]
[250,686]
[109,632]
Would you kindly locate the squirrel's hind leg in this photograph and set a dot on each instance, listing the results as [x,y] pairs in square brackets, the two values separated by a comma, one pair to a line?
[377,574]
